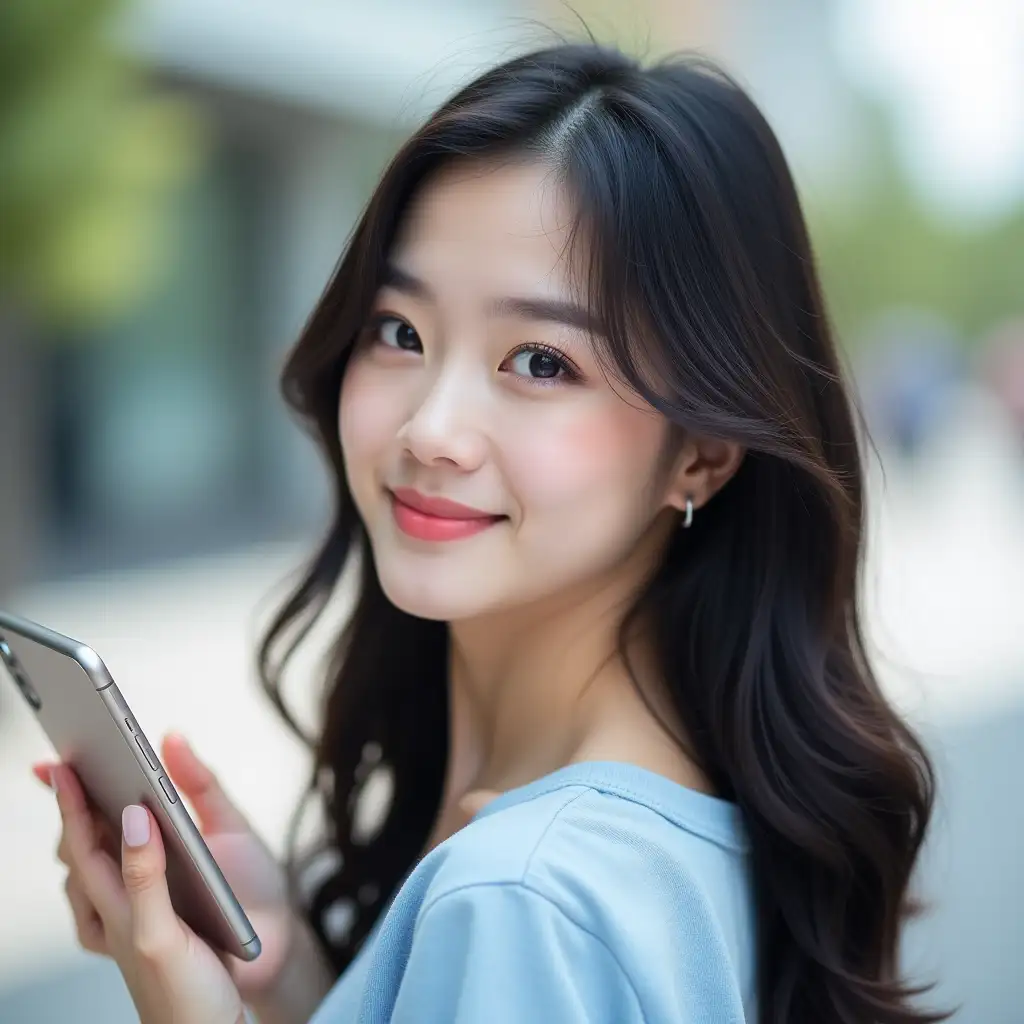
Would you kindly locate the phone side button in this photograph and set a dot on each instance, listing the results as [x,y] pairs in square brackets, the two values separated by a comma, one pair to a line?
[148,752]
[168,789]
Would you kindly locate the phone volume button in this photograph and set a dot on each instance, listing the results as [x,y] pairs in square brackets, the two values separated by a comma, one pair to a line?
[148,752]
[168,789]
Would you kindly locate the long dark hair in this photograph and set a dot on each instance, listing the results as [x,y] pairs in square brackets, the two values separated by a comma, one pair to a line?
[701,273]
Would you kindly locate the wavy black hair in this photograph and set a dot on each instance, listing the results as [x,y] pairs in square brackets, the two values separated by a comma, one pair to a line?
[700,270]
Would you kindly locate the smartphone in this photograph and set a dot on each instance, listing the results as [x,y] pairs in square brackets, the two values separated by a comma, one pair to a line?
[93,730]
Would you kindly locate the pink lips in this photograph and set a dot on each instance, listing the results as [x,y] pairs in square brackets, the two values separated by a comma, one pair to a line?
[437,519]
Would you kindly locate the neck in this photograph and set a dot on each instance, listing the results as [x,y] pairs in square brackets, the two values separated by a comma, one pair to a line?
[545,686]
[525,685]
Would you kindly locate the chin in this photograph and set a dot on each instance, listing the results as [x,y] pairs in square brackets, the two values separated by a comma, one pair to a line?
[427,594]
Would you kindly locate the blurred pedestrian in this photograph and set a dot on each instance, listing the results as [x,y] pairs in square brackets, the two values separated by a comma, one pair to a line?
[911,373]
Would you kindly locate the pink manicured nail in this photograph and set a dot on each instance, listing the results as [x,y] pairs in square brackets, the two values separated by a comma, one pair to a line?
[135,825]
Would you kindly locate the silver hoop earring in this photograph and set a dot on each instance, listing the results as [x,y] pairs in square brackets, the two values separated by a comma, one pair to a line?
[688,514]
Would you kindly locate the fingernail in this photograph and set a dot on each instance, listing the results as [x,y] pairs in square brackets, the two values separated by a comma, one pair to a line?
[54,784]
[135,825]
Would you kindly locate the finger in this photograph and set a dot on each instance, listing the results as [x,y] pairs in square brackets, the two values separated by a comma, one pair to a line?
[105,837]
[88,925]
[156,931]
[41,770]
[214,809]
[80,850]
[108,838]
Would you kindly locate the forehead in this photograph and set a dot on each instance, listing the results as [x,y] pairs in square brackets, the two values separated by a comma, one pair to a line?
[501,227]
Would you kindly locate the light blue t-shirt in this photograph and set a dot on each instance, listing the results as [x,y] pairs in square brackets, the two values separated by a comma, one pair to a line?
[602,893]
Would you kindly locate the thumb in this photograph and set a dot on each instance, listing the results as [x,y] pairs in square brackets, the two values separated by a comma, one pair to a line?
[156,931]
[213,807]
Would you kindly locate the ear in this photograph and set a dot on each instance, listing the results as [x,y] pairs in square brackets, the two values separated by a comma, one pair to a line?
[703,466]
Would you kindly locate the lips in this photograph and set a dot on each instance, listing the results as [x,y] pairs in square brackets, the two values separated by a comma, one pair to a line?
[442,508]
[437,519]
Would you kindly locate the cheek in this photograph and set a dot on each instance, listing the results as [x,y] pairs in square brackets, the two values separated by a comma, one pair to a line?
[365,420]
[603,458]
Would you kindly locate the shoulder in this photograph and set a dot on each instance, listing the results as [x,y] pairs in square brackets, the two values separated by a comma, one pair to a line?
[602,879]
[608,862]
[498,848]
[580,839]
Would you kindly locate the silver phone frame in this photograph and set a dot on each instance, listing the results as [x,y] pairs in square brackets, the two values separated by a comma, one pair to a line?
[238,937]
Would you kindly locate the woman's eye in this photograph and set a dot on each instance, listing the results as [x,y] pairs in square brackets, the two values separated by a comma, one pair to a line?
[538,364]
[395,333]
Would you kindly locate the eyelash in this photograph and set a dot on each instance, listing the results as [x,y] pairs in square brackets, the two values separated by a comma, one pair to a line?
[570,372]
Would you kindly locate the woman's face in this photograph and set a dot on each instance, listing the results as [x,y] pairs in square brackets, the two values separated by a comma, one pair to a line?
[467,389]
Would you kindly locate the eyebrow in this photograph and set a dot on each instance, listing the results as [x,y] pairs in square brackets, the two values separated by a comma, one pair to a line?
[559,311]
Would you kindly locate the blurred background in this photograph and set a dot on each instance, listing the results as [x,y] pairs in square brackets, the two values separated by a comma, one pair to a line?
[177,180]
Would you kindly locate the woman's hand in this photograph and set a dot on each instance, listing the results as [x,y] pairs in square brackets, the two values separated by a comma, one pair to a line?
[289,978]
[125,911]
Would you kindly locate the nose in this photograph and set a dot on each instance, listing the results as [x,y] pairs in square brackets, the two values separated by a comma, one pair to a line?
[444,427]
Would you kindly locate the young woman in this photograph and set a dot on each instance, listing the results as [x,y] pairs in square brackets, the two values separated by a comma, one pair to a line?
[596,467]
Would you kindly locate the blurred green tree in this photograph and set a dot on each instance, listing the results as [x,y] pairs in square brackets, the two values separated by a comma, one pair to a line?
[883,248]
[88,154]
[89,157]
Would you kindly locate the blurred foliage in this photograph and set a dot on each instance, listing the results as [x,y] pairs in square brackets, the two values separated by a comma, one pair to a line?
[883,249]
[88,154]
